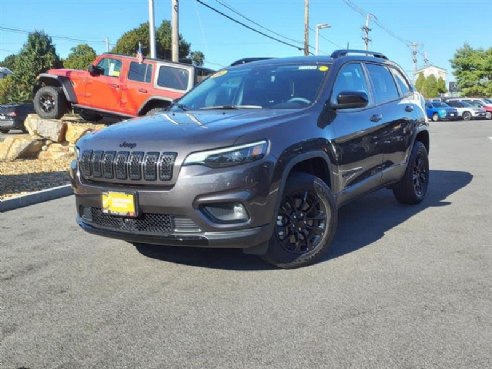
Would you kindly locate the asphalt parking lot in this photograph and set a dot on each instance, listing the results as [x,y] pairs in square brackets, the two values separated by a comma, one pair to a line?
[402,287]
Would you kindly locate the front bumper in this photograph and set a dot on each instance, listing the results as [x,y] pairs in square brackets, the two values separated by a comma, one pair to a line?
[175,215]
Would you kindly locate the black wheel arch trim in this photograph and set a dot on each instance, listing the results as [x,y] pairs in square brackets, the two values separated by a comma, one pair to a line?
[150,100]
[64,83]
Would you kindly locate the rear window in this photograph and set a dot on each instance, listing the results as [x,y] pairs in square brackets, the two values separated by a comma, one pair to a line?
[384,85]
[172,77]
[401,81]
[140,72]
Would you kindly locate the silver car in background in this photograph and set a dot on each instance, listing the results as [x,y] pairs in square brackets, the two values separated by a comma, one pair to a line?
[466,110]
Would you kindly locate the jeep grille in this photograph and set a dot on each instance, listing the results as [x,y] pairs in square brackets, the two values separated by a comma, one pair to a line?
[126,166]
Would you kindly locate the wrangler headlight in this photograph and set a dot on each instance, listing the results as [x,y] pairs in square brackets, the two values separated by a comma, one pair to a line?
[229,156]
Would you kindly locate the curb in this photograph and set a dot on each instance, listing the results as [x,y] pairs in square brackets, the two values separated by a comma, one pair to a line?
[36,197]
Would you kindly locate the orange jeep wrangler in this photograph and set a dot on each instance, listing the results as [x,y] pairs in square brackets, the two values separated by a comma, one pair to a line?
[114,85]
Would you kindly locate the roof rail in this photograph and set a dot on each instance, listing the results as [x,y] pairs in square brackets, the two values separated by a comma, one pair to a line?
[343,52]
[248,60]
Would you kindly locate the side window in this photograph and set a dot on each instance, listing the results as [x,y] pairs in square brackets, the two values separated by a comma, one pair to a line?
[383,82]
[172,77]
[402,82]
[350,78]
[111,67]
[140,72]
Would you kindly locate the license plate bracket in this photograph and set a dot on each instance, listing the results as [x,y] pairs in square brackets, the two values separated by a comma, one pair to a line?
[122,204]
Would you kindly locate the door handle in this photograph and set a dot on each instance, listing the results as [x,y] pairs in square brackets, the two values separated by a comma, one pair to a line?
[142,90]
[409,108]
[376,117]
[114,85]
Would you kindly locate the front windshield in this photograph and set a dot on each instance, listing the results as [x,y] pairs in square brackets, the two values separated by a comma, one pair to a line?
[273,86]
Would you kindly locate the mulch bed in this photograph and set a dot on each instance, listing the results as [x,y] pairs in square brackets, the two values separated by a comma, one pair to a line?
[20,177]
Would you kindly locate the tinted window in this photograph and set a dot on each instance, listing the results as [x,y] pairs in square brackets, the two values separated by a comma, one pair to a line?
[171,77]
[383,82]
[350,78]
[201,74]
[140,72]
[401,81]
[111,67]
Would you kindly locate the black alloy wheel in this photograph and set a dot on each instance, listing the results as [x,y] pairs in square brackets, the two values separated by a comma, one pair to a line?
[301,222]
[305,222]
[412,188]
[47,103]
[50,103]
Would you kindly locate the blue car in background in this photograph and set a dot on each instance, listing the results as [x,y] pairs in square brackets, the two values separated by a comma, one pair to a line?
[437,110]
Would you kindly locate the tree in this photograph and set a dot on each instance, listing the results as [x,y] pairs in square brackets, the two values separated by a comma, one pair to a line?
[441,86]
[197,57]
[80,57]
[430,86]
[6,87]
[419,83]
[9,62]
[127,44]
[36,56]
[473,70]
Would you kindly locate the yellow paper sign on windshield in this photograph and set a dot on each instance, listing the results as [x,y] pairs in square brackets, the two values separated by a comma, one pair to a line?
[220,73]
[323,68]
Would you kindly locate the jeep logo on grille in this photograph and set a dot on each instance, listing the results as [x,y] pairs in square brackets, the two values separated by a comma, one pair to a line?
[129,145]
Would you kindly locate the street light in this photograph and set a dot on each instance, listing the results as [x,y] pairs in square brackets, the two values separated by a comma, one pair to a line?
[318,27]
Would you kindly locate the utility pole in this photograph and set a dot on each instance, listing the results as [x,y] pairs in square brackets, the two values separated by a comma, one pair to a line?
[366,29]
[106,40]
[175,30]
[426,58]
[152,29]
[414,47]
[306,27]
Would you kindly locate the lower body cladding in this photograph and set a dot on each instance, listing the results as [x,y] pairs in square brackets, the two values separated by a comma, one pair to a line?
[223,208]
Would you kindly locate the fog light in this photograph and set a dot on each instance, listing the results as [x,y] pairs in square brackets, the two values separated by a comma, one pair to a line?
[86,213]
[227,213]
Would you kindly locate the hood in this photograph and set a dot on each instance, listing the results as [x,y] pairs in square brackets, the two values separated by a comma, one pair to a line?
[184,131]
[67,72]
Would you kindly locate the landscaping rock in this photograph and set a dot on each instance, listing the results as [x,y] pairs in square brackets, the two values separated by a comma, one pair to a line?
[55,155]
[19,147]
[75,131]
[45,128]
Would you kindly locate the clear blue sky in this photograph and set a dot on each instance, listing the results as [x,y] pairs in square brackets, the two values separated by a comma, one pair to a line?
[440,25]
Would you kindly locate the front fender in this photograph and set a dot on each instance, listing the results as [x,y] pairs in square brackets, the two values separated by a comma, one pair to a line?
[54,80]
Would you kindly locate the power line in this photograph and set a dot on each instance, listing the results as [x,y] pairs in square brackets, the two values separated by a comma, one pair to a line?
[18,30]
[246,26]
[224,4]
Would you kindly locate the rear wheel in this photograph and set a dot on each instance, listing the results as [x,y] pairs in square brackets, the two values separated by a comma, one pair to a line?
[305,223]
[467,115]
[435,117]
[2,130]
[413,186]
[50,103]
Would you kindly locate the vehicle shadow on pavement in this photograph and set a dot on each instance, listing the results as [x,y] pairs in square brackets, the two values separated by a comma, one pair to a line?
[368,218]
[360,223]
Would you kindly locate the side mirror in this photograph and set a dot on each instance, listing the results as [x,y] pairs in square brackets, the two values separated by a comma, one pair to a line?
[351,100]
[94,70]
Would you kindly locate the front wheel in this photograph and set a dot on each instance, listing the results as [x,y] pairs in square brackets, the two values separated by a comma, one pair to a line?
[412,188]
[467,115]
[488,115]
[305,223]
[50,103]
[435,117]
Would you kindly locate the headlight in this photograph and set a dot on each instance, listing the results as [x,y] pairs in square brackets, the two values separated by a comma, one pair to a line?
[229,156]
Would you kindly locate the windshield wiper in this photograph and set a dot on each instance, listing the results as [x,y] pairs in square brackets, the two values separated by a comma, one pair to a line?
[231,107]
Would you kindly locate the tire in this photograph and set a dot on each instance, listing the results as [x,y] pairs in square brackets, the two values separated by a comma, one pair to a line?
[467,115]
[488,115]
[155,111]
[89,116]
[4,130]
[305,223]
[412,188]
[435,117]
[50,103]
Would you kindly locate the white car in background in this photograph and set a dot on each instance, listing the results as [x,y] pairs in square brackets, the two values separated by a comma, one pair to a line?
[466,110]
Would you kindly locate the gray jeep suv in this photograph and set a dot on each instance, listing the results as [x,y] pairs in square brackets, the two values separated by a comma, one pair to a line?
[259,156]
